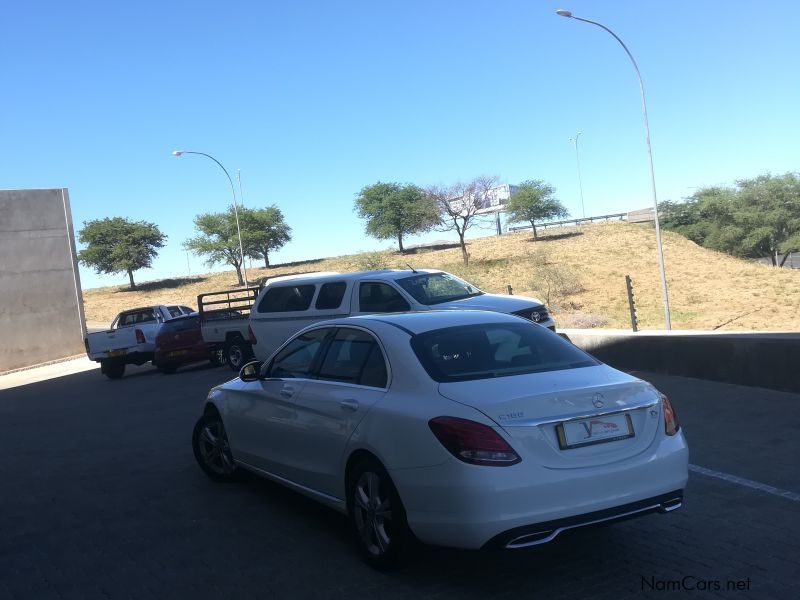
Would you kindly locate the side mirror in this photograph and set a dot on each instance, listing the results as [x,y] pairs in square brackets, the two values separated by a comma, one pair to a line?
[251,371]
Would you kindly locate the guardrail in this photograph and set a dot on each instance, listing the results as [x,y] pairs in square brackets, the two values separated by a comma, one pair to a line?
[615,216]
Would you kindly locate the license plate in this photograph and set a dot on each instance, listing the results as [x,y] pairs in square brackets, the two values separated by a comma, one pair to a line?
[594,430]
[118,352]
[177,353]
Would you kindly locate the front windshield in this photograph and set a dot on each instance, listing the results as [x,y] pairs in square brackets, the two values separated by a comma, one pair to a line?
[435,288]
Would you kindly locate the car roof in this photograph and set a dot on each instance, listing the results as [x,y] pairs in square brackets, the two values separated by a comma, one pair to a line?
[324,276]
[428,320]
[151,307]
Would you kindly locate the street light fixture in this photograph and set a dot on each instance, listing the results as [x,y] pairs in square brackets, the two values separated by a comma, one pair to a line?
[578,162]
[665,297]
[235,209]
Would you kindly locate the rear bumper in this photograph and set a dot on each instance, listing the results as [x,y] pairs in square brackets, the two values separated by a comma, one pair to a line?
[468,506]
[541,533]
[132,358]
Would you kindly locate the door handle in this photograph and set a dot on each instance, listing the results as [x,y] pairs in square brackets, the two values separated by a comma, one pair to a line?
[287,391]
[349,405]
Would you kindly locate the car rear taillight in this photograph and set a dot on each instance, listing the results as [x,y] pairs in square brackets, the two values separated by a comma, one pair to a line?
[251,337]
[473,442]
[671,426]
[139,336]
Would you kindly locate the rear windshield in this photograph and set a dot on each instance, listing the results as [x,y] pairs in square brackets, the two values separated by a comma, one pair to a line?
[434,288]
[180,324]
[495,350]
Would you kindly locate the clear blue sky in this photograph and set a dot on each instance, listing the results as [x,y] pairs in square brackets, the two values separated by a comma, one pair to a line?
[314,100]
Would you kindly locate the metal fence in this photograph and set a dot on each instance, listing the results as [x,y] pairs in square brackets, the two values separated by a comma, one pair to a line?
[601,218]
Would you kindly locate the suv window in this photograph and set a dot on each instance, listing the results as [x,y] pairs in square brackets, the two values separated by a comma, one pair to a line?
[287,298]
[297,357]
[330,295]
[380,298]
[174,311]
[353,356]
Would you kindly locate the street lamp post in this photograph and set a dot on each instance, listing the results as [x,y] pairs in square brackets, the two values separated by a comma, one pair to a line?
[665,297]
[235,209]
[578,163]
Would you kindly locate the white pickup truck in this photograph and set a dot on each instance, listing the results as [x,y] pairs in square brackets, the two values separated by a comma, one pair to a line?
[225,323]
[131,338]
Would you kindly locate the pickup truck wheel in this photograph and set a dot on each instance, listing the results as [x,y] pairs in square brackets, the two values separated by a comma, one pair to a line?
[112,370]
[237,353]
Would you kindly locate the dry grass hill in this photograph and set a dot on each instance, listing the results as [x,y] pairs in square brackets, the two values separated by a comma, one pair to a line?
[580,273]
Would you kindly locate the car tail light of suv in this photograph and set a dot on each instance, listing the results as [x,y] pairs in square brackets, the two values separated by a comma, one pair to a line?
[671,426]
[139,336]
[251,337]
[472,442]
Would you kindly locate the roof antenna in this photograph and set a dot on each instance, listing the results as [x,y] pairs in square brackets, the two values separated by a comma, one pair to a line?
[413,270]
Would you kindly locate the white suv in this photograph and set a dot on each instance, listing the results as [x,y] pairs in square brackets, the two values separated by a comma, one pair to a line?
[287,304]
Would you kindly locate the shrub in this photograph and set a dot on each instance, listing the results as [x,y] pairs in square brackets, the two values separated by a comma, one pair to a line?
[555,283]
[371,261]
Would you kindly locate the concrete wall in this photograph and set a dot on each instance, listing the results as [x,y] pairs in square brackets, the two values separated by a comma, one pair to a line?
[769,360]
[41,304]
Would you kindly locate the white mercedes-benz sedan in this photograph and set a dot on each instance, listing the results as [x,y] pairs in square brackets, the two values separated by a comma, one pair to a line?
[458,428]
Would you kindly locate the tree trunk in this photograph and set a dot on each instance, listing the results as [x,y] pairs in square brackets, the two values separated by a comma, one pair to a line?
[774,257]
[239,273]
[130,277]
[533,225]
[787,255]
[400,241]
[464,253]
[266,259]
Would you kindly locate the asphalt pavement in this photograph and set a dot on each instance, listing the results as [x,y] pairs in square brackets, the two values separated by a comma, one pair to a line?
[100,497]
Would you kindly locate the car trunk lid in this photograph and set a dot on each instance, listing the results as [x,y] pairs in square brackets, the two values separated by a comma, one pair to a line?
[567,419]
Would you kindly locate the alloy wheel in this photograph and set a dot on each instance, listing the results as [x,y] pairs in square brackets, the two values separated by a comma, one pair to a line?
[372,512]
[214,449]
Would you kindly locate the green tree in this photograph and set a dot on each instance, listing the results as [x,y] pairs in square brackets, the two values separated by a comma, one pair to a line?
[119,245]
[263,231]
[217,240]
[755,218]
[534,201]
[394,211]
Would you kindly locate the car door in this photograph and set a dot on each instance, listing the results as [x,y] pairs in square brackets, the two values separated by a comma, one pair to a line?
[352,376]
[261,416]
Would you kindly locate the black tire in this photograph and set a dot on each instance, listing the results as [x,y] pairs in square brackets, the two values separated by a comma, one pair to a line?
[167,368]
[112,370]
[211,449]
[377,517]
[237,353]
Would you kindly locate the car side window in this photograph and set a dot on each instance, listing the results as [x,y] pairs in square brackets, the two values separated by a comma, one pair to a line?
[330,295]
[174,311]
[287,298]
[296,359]
[353,356]
[380,298]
